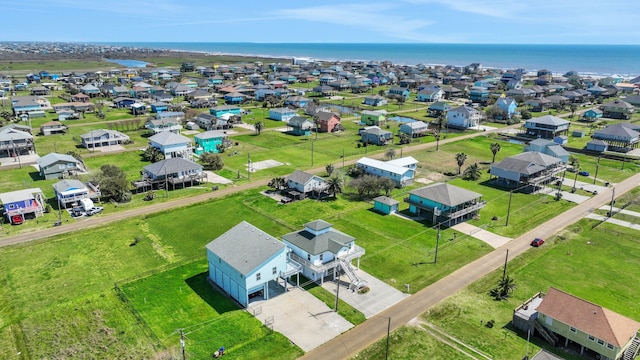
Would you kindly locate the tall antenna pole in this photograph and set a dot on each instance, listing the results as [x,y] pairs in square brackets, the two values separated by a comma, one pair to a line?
[182,344]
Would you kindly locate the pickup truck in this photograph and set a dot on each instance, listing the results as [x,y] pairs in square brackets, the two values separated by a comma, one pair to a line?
[94,210]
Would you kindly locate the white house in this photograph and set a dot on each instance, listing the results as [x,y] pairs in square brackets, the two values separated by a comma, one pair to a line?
[301,183]
[463,117]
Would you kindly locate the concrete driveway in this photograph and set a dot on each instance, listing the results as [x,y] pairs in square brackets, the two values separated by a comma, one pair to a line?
[301,317]
[488,237]
[379,298]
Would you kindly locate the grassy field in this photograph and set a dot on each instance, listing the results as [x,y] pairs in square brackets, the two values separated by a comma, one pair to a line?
[582,261]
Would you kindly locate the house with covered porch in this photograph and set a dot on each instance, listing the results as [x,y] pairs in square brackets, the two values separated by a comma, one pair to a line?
[174,172]
[103,137]
[172,145]
[301,184]
[210,141]
[619,137]
[445,204]
[26,203]
[529,170]
[547,127]
[70,191]
[324,251]
[245,262]
[401,171]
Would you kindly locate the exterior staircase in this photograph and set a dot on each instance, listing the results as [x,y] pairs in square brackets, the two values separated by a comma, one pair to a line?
[632,350]
[549,337]
[356,281]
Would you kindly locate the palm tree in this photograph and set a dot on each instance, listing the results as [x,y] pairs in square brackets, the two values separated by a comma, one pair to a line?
[472,172]
[330,168]
[495,147]
[460,159]
[573,107]
[334,186]
[505,287]
[259,126]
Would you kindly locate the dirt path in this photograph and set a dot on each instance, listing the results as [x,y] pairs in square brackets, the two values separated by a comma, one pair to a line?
[359,338]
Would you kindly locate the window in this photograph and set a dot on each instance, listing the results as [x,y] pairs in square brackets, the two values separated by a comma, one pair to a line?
[258,276]
[309,257]
[274,270]
[572,329]
[592,338]
[609,346]
[600,342]
[321,257]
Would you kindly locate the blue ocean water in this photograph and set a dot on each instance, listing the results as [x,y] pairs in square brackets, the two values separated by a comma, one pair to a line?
[586,59]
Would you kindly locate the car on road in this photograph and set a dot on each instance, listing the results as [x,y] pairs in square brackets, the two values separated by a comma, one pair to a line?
[94,210]
[583,173]
[537,242]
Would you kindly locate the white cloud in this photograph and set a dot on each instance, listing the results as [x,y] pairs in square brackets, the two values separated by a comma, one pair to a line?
[376,17]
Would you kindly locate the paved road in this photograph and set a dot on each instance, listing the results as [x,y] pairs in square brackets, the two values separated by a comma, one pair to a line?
[114,217]
[357,339]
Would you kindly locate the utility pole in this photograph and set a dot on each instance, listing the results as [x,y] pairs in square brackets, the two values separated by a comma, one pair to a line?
[613,197]
[509,208]
[504,270]
[596,174]
[182,344]
[249,166]
[388,331]
[435,257]
[312,153]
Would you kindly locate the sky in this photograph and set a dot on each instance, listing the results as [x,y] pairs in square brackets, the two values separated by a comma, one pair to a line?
[325,21]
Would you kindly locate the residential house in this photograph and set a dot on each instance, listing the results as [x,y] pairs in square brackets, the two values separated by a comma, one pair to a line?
[123,102]
[617,109]
[401,171]
[218,111]
[90,90]
[58,166]
[597,146]
[375,135]
[444,204]
[400,91]
[438,108]
[323,251]
[592,115]
[245,260]
[538,104]
[430,95]
[385,205]
[619,137]
[566,320]
[375,100]
[14,142]
[548,147]
[171,145]
[526,170]
[210,141]
[26,203]
[234,98]
[159,107]
[508,106]
[210,122]
[281,114]
[300,125]
[301,184]
[414,129]
[546,127]
[102,137]
[170,173]
[161,125]
[53,127]
[34,106]
[464,117]
[327,121]
[71,191]
[373,117]
[479,94]
[296,101]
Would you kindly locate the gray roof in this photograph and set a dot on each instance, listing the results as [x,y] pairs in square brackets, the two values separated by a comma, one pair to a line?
[52,158]
[170,166]
[8,133]
[617,130]
[211,134]
[19,195]
[300,122]
[100,132]
[529,162]
[617,104]
[557,150]
[332,240]
[549,120]
[66,184]
[375,131]
[446,194]
[169,138]
[386,200]
[245,247]
[300,177]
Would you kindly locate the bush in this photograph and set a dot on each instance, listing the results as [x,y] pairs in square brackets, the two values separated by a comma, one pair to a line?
[490,323]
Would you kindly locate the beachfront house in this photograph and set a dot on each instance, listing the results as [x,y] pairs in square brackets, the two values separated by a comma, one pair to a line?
[546,127]
[617,109]
[463,117]
[323,251]
[579,326]
[401,171]
[244,261]
[444,204]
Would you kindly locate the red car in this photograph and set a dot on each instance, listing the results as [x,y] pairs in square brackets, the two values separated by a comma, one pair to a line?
[16,220]
[537,242]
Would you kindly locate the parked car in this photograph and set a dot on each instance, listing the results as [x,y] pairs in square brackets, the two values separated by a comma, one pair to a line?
[16,220]
[94,210]
[583,173]
[537,242]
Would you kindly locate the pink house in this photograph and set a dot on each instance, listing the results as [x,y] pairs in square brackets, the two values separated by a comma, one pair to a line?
[327,121]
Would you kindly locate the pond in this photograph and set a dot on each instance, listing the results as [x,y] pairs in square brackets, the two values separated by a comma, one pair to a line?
[129,63]
[343,109]
[402,119]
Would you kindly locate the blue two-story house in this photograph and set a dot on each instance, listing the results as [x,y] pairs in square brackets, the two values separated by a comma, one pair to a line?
[244,260]
[479,94]
[281,114]
[400,91]
[547,127]
[508,106]
[444,204]
[401,171]
[209,141]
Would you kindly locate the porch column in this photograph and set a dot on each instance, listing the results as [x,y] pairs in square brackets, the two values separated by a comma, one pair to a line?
[581,349]
[298,279]
[358,266]
[266,290]
[566,342]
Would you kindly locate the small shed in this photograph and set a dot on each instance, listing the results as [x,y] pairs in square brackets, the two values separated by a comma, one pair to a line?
[561,139]
[385,205]
[597,145]
[577,133]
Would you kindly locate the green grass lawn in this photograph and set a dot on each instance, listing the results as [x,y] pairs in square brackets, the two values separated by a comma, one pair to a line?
[181,298]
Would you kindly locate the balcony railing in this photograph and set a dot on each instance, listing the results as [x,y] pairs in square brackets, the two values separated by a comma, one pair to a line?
[469,209]
[353,253]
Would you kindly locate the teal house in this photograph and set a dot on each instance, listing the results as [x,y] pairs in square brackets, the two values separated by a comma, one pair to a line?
[444,204]
[225,109]
[385,205]
[208,141]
